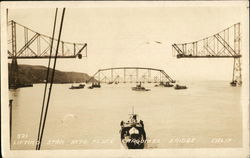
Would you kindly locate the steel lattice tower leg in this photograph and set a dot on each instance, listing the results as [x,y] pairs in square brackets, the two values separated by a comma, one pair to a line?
[237,79]
[13,78]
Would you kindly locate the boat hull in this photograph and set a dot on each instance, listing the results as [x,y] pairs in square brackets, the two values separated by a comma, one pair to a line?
[139,89]
[178,88]
[77,87]
[135,140]
[133,144]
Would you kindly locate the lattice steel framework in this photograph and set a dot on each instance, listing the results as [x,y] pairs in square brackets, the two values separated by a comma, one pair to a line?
[131,75]
[225,44]
[25,43]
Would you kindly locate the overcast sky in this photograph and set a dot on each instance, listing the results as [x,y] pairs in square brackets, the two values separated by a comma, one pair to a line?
[124,36]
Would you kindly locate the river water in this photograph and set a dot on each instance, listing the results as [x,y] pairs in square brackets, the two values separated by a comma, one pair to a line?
[207,114]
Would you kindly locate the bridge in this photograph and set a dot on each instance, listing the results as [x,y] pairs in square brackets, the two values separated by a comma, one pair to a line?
[224,44]
[25,43]
[131,75]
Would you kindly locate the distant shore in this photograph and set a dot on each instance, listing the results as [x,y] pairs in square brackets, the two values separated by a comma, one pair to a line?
[32,74]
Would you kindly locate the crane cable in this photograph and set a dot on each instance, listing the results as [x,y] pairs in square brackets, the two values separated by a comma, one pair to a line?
[50,88]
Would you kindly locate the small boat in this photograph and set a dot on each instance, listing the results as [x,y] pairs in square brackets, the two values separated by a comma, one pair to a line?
[139,87]
[166,84]
[80,86]
[180,87]
[95,85]
[133,135]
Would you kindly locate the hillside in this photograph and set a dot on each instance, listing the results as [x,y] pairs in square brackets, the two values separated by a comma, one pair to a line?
[37,74]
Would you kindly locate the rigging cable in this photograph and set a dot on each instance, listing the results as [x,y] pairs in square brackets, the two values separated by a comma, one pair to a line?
[47,78]
[51,82]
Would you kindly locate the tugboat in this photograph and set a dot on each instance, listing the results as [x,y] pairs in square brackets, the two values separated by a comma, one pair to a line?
[95,85]
[139,88]
[133,135]
[180,87]
[80,86]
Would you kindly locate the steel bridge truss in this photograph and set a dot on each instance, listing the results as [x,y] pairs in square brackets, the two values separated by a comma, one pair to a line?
[131,75]
[225,44]
[26,43]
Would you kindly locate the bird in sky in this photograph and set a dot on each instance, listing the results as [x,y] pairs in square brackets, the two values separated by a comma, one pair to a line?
[158,42]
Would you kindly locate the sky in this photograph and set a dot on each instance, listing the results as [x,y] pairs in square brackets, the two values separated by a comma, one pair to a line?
[125,36]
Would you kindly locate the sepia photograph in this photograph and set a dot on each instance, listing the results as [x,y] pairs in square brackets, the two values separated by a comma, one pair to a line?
[125,79]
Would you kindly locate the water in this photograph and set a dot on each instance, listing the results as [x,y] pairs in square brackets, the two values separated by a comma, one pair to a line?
[207,114]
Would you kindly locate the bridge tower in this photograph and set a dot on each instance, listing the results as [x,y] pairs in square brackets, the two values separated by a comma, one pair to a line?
[13,78]
[25,43]
[225,44]
[237,64]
